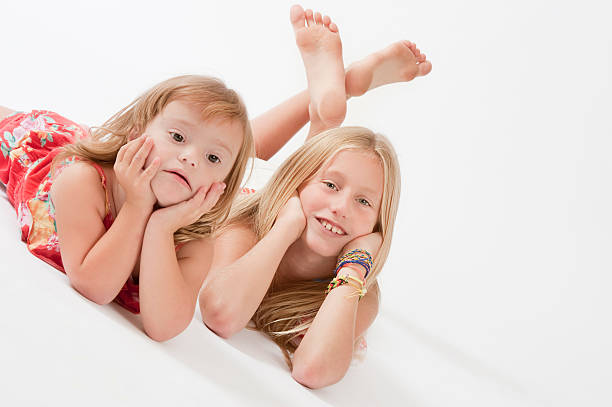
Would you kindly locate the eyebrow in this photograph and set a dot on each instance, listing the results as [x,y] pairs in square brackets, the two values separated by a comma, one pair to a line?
[370,192]
[223,145]
[216,140]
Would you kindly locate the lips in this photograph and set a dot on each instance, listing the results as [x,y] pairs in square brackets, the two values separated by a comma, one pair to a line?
[181,177]
[331,227]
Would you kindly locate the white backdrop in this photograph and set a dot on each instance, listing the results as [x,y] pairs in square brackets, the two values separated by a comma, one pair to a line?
[501,258]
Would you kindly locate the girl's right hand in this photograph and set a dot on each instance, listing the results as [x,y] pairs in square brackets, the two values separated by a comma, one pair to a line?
[291,217]
[133,178]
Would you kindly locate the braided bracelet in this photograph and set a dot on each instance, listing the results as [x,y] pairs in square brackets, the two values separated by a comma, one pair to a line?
[350,280]
[358,256]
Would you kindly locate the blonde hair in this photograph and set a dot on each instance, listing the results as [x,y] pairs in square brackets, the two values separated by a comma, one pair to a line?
[287,311]
[215,101]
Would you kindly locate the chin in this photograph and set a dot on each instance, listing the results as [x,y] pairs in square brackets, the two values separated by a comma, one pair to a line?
[165,198]
[321,246]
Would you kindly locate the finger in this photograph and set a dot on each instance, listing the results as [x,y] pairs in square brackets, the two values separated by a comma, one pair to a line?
[121,153]
[191,209]
[151,170]
[131,148]
[138,161]
[212,196]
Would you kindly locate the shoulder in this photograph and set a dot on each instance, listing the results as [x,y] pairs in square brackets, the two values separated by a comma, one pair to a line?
[80,173]
[79,182]
[202,247]
[236,232]
[231,243]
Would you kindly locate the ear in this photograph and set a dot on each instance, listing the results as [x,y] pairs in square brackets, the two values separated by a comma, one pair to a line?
[134,133]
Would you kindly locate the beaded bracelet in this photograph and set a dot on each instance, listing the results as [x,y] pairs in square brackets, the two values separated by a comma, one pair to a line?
[350,280]
[358,256]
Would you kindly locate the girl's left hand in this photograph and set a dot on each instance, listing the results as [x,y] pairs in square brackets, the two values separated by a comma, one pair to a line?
[185,213]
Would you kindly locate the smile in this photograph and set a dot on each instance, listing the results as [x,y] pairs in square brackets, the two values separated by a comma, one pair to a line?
[330,227]
[180,177]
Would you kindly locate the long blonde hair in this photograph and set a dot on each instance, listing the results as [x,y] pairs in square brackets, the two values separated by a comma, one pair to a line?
[214,100]
[287,311]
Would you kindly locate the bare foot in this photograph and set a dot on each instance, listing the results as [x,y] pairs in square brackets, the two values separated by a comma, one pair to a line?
[401,61]
[319,43]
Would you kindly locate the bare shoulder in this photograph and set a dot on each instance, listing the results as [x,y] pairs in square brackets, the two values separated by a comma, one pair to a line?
[231,243]
[198,248]
[79,182]
[194,258]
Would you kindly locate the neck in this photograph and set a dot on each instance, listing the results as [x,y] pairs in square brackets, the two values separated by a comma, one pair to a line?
[300,263]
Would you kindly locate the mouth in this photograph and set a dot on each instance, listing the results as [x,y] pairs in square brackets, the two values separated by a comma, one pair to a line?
[331,227]
[180,177]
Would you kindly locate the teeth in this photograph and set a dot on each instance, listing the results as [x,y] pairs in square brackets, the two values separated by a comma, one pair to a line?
[329,227]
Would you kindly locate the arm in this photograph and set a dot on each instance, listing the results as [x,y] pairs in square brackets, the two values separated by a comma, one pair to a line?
[169,285]
[97,261]
[242,273]
[272,129]
[243,270]
[170,280]
[325,353]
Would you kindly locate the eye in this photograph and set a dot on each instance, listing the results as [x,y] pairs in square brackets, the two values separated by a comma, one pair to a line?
[363,201]
[331,185]
[213,158]
[177,137]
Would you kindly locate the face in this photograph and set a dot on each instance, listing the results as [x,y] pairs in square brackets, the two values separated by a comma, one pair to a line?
[194,153]
[342,201]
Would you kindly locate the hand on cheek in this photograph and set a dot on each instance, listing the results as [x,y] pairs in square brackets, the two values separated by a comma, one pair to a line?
[132,175]
[174,217]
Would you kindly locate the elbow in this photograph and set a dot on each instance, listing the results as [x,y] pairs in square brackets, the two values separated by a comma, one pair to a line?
[90,290]
[161,331]
[160,335]
[316,374]
[219,318]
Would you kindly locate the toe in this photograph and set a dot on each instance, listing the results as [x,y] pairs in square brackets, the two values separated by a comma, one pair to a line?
[296,15]
[333,27]
[413,47]
[318,18]
[309,17]
[424,68]
[326,21]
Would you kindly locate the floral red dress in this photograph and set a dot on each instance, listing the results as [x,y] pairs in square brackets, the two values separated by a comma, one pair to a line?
[29,142]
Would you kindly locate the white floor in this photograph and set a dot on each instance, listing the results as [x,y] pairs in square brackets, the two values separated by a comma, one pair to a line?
[497,287]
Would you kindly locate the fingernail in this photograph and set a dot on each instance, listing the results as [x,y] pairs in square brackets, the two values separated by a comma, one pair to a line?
[223,185]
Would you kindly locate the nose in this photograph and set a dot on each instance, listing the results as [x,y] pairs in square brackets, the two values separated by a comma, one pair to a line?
[340,206]
[189,158]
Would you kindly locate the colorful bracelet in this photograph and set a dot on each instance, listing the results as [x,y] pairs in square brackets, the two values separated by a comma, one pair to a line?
[350,280]
[358,256]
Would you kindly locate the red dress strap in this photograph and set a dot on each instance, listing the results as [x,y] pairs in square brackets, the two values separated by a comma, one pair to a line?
[108,217]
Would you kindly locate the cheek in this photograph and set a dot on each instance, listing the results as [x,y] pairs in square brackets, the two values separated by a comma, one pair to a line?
[152,154]
[309,199]
[367,224]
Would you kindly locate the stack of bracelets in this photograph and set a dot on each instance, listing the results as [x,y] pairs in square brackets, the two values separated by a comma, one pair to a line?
[357,256]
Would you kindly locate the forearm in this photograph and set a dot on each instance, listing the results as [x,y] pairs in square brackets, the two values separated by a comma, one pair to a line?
[272,129]
[167,302]
[324,354]
[109,263]
[230,299]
